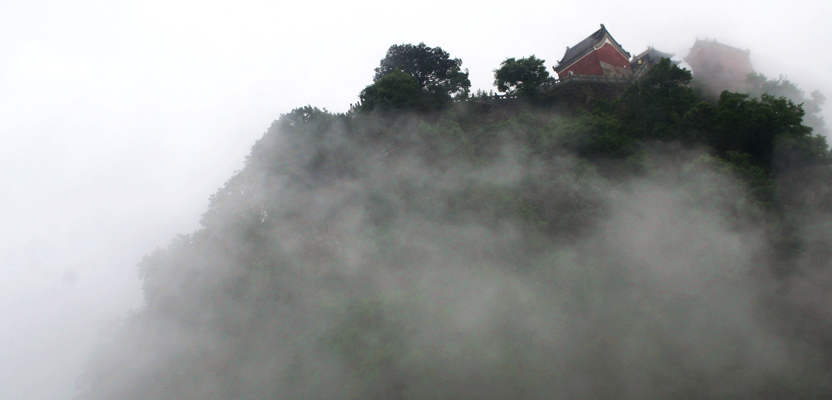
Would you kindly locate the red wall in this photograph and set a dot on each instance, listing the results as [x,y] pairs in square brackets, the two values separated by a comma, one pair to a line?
[710,61]
[591,63]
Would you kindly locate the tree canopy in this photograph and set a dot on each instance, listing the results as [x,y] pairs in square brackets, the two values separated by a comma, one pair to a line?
[433,68]
[658,102]
[395,91]
[782,87]
[526,76]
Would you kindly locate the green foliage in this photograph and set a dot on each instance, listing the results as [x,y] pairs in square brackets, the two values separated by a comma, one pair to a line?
[803,151]
[526,77]
[760,186]
[753,126]
[301,115]
[596,134]
[782,87]
[658,102]
[434,70]
[369,335]
[394,91]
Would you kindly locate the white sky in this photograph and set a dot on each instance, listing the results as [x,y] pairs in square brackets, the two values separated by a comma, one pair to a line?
[119,119]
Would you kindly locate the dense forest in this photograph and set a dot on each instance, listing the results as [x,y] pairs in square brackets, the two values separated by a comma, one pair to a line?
[434,243]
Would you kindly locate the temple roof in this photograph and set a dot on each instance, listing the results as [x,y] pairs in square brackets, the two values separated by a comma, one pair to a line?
[585,47]
[713,44]
[653,56]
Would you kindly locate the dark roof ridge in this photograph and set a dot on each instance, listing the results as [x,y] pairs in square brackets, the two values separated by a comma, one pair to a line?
[651,49]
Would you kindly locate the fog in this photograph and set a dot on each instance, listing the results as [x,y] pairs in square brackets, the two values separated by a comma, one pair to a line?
[386,274]
[119,120]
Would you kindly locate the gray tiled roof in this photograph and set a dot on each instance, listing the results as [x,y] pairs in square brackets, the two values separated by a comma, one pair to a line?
[652,55]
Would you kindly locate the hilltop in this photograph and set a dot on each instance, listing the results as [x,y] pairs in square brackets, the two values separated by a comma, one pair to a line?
[436,244]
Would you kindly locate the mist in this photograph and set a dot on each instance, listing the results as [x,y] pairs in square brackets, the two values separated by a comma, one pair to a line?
[120,120]
[357,258]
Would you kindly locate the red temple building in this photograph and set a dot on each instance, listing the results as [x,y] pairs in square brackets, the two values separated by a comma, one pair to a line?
[599,54]
[717,67]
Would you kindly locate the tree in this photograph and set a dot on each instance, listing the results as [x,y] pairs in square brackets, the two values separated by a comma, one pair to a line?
[526,76]
[397,90]
[433,69]
[755,126]
[783,87]
[658,103]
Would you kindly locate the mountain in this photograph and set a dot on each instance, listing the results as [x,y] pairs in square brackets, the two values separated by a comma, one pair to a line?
[651,246]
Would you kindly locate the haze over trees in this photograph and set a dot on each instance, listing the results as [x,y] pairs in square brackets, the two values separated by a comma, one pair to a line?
[653,246]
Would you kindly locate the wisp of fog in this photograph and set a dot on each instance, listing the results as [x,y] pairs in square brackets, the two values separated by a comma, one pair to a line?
[372,256]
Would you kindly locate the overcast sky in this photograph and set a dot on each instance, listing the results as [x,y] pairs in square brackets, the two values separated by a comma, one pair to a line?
[118,119]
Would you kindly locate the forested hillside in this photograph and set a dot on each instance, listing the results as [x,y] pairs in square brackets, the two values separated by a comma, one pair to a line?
[434,244]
